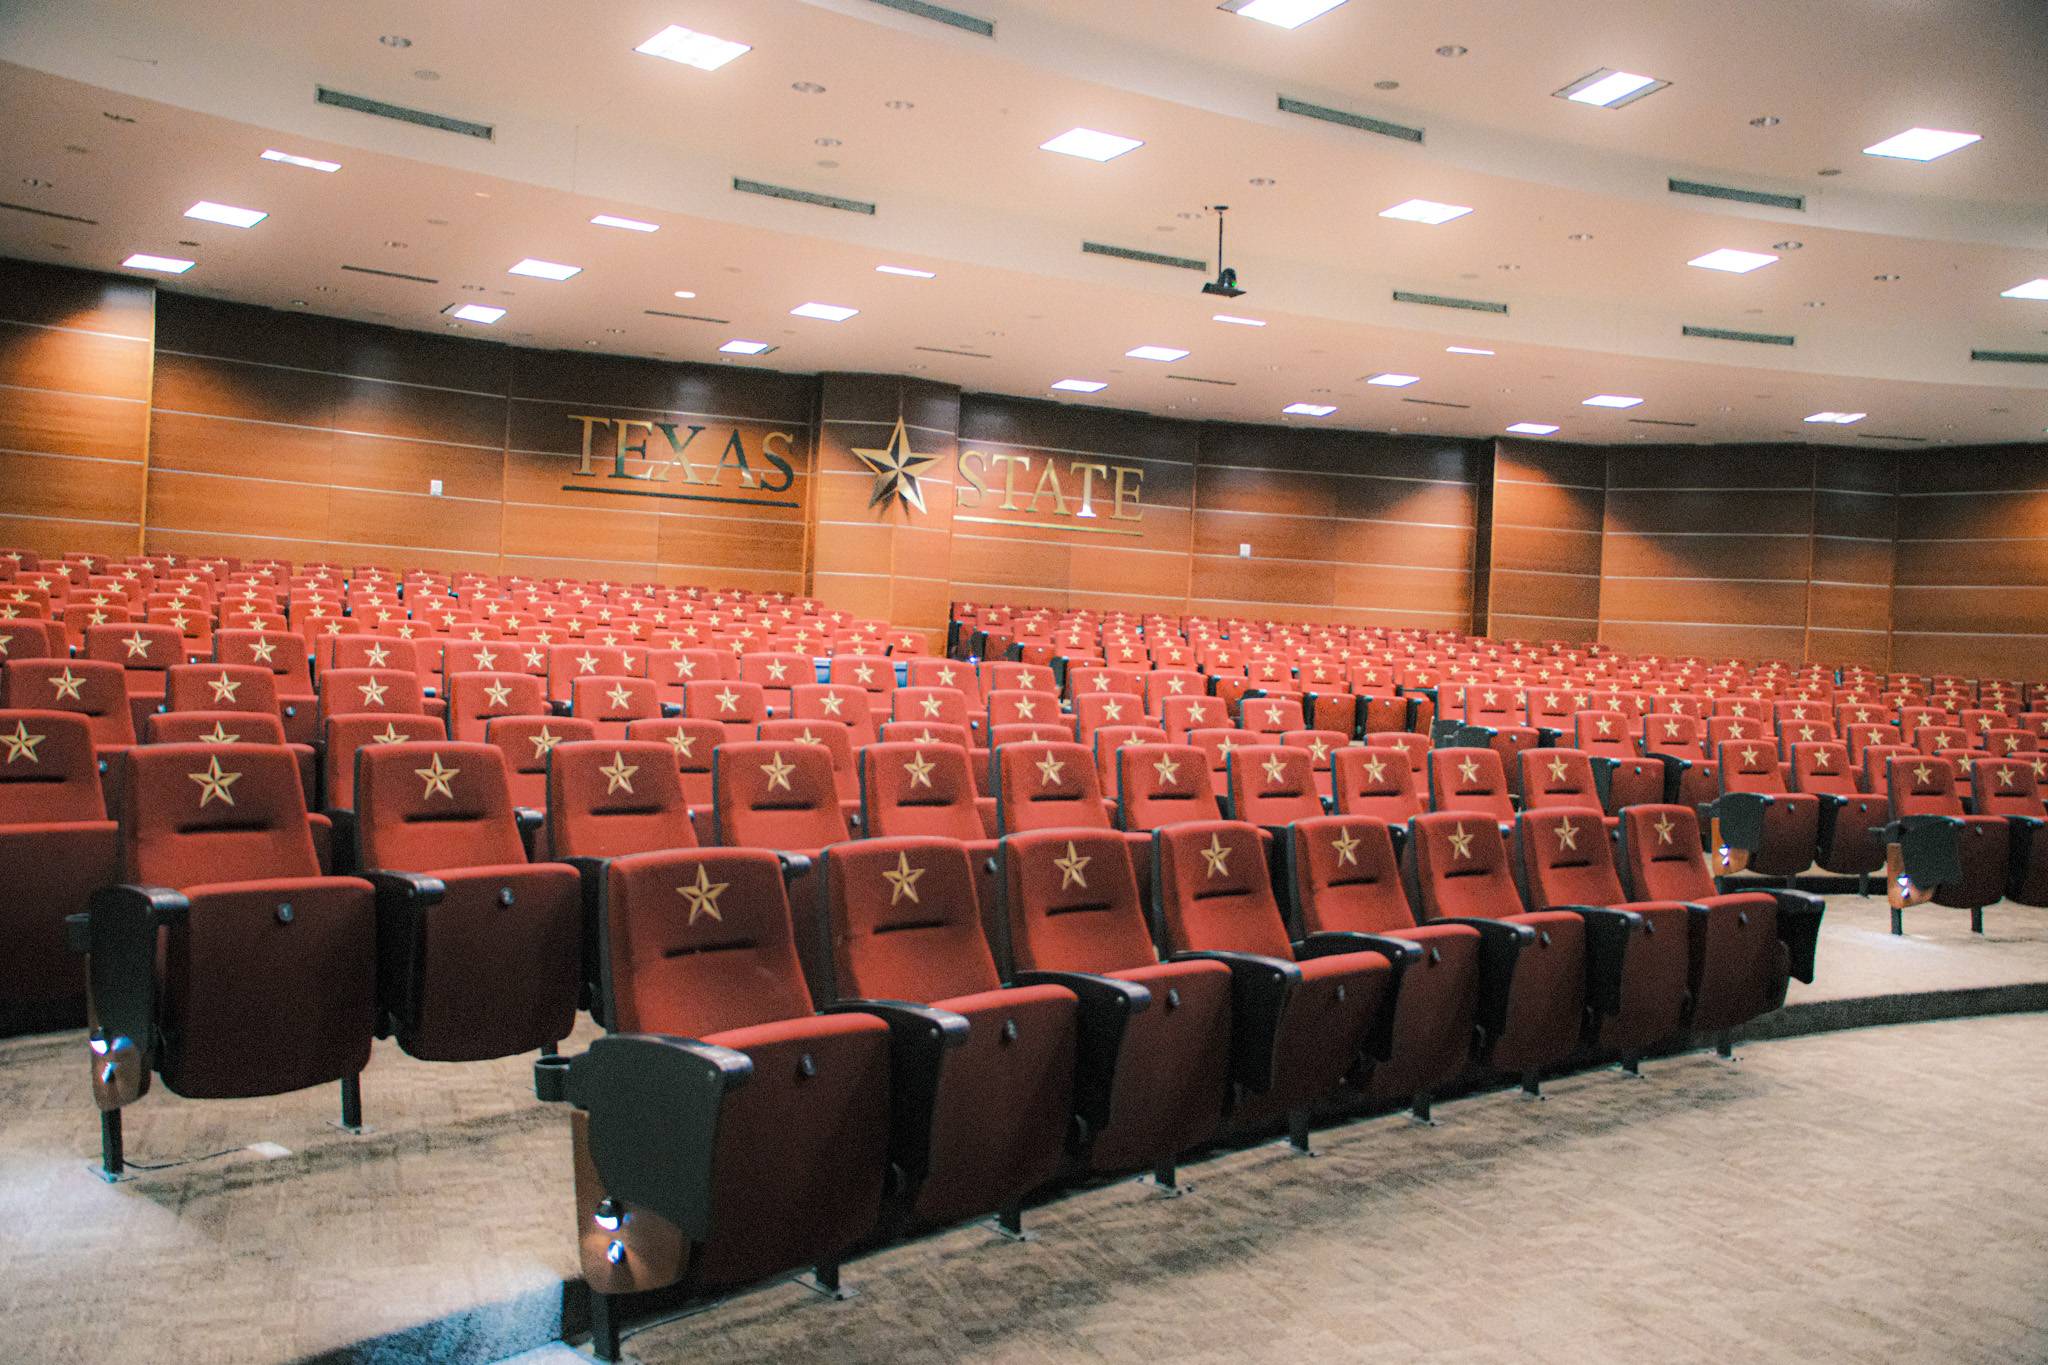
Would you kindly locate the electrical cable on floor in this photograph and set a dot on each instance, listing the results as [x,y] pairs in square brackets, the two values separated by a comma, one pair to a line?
[134,1165]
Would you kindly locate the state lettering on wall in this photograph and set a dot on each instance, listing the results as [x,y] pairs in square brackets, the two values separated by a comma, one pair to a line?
[685,460]
[1051,491]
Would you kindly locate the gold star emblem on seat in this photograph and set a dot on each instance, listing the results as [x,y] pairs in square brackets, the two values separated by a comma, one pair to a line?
[1168,769]
[1822,759]
[1275,768]
[728,700]
[1346,847]
[618,775]
[67,685]
[1049,769]
[1216,858]
[777,670]
[702,896]
[1469,769]
[437,778]
[946,676]
[1557,769]
[896,469]
[1748,758]
[930,705]
[927,737]
[213,783]
[1376,768]
[1567,835]
[22,744]
[902,879]
[831,703]
[920,770]
[1070,868]
[224,687]
[1671,729]
[2005,777]
[778,771]
[543,743]
[262,650]
[219,735]
[682,744]
[1318,750]
[864,674]
[619,697]
[390,735]
[1922,773]
[1460,842]
[586,662]
[373,691]
[1604,725]
[1027,707]
[138,645]
[487,659]
[377,654]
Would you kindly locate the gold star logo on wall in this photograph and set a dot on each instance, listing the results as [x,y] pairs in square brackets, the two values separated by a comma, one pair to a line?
[896,470]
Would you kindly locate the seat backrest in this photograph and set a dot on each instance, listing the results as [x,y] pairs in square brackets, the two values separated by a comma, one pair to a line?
[1210,890]
[615,700]
[90,688]
[212,727]
[1730,729]
[1070,903]
[346,734]
[835,739]
[1010,706]
[725,701]
[136,647]
[1163,685]
[1662,858]
[1932,739]
[1922,784]
[910,789]
[781,670]
[2010,741]
[1559,779]
[201,814]
[526,742]
[606,799]
[704,945]
[1413,748]
[221,687]
[775,795]
[2005,786]
[1061,732]
[940,705]
[1163,784]
[1472,781]
[691,742]
[1182,715]
[1343,877]
[1107,740]
[1860,737]
[1093,710]
[1565,859]
[49,773]
[1751,765]
[425,807]
[1605,733]
[1791,732]
[1823,767]
[1271,784]
[357,691]
[382,652]
[1374,782]
[903,921]
[1005,675]
[1271,715]
[566,663]
[1047,786]
[1456,865]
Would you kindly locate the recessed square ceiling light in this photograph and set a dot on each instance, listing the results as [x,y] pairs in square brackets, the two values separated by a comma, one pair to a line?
[1081,385]
[1840,419]
[1611,400]
[474,312]
[1922,144]
[1394,381]
[1310,409]
[211,212]
[1425,211]
[824,312]
[169,265]
[906,270]
[1733,261]
[311,163]
[1466,350]
[629,224]
[691,48]
[1533,428]
[545,270]
[686,293]
[737,347]
[1281,13]
[2032,289]
[1086,142]
[1610,89]
[1236,321]
[1155,353]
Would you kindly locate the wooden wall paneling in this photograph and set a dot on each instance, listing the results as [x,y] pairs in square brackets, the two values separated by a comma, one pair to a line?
[1971,584]
[1544,541]
[1849,609]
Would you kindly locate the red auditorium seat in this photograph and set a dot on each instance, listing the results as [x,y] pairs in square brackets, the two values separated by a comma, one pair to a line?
[1849,837]
[738,707]
[1535,987]
[1072,917]
[527,742]
[837,743]
[478,946]
[1470,781]
[1924,801]
[224,961]
[1270,785]
[847,707]
[1163,784]
[239,727]
[1343,884]
[2010,788]
[1757,813]
[1303,1014]
[57,847]
[82,686]
[611,704]
[1565,779]
[903,925]
[1743,945]
[1182,716]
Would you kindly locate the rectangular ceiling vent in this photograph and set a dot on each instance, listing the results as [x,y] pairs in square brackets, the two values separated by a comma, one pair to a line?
[1343,118]
[684,317]
[441,123]
[51,213]
[1881,436]
[389,274]
[1197,379]
[823,201]
[948,350]
[1658,422]
[1435,403]
[1723,334]
[1794,202]
[1125,253]
[939,14]
[2012,357]
[1440,301]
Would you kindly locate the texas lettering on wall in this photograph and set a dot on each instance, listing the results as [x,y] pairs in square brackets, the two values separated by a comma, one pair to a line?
[693,461]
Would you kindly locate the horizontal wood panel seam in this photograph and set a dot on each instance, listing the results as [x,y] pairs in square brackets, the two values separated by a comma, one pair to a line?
[75,331]
[73,393]
[803,422]
[156,469]
[331,374]
[338,431]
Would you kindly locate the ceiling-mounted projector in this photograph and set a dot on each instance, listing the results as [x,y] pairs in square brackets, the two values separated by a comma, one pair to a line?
[1225,283]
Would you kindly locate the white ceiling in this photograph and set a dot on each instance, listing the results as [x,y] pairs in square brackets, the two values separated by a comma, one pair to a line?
[585,125]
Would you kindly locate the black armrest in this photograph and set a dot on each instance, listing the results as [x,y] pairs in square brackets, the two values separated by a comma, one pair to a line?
[919,1038]
[1107,1005]
[1549,738]
[531,822]
[1675,769]
[402,899]
[121,976]
[1742,818]
[1500,946]
[794,865]
[1401,953]
[1259,988]
[592,874]
[654,1104]
[1799,914]
[558,707]
[1607,934]
[671,709]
